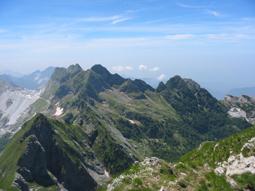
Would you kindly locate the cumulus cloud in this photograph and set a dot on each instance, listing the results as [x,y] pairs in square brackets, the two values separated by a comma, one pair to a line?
[161,77]
[143,67]
[154,69]
[179,37]
[121,68]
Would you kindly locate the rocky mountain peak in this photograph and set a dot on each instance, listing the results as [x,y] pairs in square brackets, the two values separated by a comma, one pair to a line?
[74,69]
[100,70]
[161,87]
[177,82]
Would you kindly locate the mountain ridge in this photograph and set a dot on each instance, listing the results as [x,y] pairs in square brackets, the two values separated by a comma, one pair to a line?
[118,121]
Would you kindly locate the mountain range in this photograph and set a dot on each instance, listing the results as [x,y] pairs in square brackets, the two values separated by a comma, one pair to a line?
[250,91]
[33,81]
[89,126]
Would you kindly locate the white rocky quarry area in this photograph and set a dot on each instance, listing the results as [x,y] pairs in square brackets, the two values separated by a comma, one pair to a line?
[237,113]
[14,103]
[235,104]
[238,164]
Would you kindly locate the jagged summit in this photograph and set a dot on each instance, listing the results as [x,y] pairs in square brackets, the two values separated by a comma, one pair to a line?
[111,79]
[174,81]
[177,82]
[74,69]
[89,83]
[161,87]
[98,68]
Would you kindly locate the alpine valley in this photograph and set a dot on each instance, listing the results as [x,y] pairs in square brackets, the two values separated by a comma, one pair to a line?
[93,130]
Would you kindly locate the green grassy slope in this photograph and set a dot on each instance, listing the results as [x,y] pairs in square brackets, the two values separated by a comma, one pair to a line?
[195,170]
[64,153]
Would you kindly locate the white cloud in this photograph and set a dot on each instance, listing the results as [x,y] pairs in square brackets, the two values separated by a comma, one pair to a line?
[143,67]
[161,77]
[190,6]
[200,7]
[214,13]
[114,19]
[180,36]
[154,69]
[121,68]
[120,20]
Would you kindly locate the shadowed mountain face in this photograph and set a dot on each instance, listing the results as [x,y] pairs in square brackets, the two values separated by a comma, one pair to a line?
[106,123]
[198,108]
[48,154]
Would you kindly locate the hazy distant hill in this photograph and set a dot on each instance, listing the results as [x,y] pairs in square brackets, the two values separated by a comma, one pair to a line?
[31,81]
[249,91]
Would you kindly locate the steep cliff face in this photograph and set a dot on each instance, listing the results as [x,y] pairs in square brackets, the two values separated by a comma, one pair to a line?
[52,155]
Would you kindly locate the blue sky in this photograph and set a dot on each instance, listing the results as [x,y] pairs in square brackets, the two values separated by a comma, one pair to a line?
[211,41]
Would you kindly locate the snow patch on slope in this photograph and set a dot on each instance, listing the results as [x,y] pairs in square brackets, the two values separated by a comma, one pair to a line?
[59,111]
[134,122]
